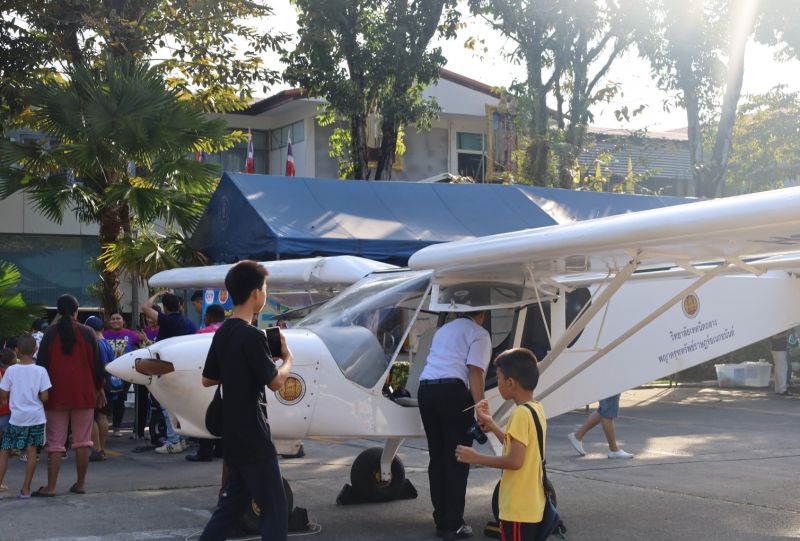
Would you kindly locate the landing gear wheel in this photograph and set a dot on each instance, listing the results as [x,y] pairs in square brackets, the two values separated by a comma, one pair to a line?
[249,521]
[365,476]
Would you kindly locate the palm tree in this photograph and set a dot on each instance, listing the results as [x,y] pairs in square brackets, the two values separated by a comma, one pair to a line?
[16,316]
[121,154]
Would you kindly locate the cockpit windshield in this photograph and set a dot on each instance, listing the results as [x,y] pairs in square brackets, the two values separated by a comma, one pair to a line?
[363,326]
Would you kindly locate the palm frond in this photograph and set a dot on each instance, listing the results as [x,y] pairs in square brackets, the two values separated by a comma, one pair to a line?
[151,252]
[16,315]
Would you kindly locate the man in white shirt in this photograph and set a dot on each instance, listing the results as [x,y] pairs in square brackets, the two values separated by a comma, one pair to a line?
[453,380]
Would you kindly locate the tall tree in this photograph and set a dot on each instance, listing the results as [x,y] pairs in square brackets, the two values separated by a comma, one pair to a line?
[696,51]
[598,36]
[122,153]
[532,27]
[371,57]
[567,47]
[212,50]
[766,143]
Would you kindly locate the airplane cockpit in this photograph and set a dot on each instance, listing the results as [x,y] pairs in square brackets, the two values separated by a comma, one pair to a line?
[384,325]
[364,326]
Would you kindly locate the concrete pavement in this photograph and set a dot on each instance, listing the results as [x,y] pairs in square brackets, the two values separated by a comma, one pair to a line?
[710,464]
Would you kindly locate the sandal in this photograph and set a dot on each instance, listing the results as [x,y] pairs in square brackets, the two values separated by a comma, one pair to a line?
[41,494]
[22,496]
[3,488]
[75,490]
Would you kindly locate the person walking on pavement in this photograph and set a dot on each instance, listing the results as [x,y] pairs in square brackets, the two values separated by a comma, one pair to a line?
[453,380]
[606,412]
[239,360]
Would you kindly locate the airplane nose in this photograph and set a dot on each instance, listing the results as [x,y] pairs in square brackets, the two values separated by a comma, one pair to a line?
[124,367]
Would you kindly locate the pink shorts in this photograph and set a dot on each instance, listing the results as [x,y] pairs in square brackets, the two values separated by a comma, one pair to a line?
[58,421]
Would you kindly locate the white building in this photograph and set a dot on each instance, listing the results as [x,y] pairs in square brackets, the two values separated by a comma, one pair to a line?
[54,258]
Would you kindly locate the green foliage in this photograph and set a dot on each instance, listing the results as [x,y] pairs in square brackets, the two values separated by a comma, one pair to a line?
[696,53]
[567,46]
[371,57]
[685,42]
[120,153]
[766,142]
[151,252]
[16,316]
[778,27]
[211,50]
[121,139]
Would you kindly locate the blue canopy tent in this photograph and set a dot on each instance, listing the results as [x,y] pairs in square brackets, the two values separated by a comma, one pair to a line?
[266,217]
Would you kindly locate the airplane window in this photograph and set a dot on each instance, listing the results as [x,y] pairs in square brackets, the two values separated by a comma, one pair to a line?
[534,335]
[480,294]
[363,326]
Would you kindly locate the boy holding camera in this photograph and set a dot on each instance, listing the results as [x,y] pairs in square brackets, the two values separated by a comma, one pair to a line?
[240,360]
[451,382]
[522,497]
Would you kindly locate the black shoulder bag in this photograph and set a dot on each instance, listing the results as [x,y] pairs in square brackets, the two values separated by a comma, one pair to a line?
[551,521]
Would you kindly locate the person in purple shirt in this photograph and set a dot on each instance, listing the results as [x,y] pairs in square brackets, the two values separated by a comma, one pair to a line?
[122,340]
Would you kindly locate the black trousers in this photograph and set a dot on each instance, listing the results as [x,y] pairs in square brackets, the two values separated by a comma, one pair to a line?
[118,406]
[142,408]
[260,481]
[441,406]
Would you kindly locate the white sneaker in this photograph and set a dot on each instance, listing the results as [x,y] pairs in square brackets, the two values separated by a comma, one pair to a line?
[619,454]
[117,433]
[576,443]
[170,449]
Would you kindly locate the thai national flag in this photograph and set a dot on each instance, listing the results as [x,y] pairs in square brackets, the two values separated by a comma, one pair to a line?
[290,171]
[250,166]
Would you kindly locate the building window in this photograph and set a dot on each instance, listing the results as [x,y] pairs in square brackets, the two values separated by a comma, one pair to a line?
[279,148]
[279,137]
[234,158]
[471,154]
[52,265]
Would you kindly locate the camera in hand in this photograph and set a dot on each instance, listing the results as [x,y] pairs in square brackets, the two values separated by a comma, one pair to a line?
[274,341]
[475,432]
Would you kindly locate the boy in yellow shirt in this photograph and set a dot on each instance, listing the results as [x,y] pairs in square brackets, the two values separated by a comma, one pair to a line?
[522,497]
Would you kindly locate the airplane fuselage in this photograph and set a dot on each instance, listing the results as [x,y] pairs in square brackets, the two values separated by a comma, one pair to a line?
[341,394]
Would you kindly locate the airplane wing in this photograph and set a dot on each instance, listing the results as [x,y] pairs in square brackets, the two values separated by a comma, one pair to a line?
[288,275]
[746,234]
[747,226]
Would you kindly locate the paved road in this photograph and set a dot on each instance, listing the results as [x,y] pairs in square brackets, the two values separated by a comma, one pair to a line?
[710,464]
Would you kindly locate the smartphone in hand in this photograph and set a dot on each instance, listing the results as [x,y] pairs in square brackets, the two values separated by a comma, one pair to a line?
[274,341]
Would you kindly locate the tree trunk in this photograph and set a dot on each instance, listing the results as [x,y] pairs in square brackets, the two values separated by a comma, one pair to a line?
[389,133]
[111,231]
[695,133]
[538,153]
[715,173]
[358,147]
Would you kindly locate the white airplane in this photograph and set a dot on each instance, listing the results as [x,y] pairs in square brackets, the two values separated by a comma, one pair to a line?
[616,302]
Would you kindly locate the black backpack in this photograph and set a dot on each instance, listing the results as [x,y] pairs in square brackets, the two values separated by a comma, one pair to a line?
[549,489]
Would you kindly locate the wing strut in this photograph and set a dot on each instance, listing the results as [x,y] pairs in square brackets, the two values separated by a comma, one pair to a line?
[716,271]
[597,304]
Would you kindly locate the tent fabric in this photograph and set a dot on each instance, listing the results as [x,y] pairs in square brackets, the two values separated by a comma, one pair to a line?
[266,217]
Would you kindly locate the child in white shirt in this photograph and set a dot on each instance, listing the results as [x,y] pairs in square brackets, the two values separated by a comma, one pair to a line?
[25,386]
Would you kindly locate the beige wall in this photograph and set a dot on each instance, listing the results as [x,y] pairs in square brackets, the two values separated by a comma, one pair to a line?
[18,214]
